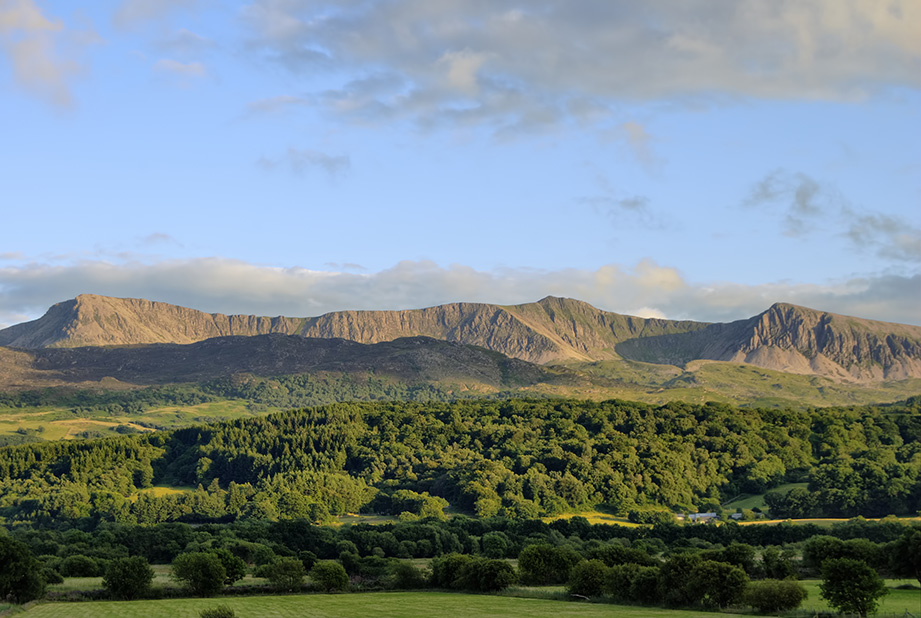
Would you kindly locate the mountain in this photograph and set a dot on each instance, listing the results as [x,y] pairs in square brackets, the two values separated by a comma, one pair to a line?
[797,340]
[409,359]
[785,338]
[551,330]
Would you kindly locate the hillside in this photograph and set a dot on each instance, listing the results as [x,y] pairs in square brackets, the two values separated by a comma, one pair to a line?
[412,359]
[784,338]
[795,340]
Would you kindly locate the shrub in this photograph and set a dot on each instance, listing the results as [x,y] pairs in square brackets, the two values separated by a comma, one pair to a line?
[203,574]
[128,578]
[587,578]
[330,576]
[407,577]
[770,596]
[485,575]
[221,611]
[286,574]
[78,566]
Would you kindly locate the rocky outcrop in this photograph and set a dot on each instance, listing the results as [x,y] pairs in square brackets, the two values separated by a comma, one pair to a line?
[796,340]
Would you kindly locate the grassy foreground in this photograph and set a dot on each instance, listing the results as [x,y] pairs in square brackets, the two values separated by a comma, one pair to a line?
[370,605]
[897,602]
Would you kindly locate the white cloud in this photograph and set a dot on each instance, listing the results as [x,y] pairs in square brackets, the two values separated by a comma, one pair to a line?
[540,63]
[32,41]
[229,286]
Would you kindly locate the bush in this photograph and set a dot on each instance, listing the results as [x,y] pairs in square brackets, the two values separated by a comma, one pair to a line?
[203,574]
[128,578]
[587,578]
[329,576]
[545,564]
[633,583]
[234,566]
[770,596]
[485,575]
[78,566]
[221,611]
[407,577]
[286,574]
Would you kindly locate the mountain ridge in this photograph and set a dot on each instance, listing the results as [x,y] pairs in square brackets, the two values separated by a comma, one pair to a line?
[553,330]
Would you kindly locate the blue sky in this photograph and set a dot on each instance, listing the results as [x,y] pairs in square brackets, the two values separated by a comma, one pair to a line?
[693,159]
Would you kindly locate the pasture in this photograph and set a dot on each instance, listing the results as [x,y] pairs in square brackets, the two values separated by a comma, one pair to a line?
[368,605]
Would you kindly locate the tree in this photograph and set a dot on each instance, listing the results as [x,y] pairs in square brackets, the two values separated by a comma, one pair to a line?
[770,596]
[851,586]
[286,574]
[587,578]
[128,578]
[905,554]
[202,573]
[330,576]
[234,566]
[20,572]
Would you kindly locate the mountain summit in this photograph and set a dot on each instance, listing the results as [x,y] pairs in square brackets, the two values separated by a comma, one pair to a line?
[553,330]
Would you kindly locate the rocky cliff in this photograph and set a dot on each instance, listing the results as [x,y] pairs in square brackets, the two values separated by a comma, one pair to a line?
[553,329]
[795,340]
[785,337]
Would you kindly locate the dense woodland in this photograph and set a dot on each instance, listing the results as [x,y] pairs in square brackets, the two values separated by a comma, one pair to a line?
[517,459]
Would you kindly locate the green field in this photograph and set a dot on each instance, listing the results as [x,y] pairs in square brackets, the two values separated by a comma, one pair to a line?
[897,602]
[370,605]
[47,423]
[747,501]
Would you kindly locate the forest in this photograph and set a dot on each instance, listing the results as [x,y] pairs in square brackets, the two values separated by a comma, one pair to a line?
[518,459]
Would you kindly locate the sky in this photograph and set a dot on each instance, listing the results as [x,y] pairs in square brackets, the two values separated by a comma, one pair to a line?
[692,159]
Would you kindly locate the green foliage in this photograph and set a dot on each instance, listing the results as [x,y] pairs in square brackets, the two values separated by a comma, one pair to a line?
[587,578]
[221,611]
[405,576]
[234,566]
[518,459]
[78,566]
[905,554]
[545,564]
[128,578]
[633,583]
[20,572]
[485,575]
[851,586]
[687,579]
[286,574]
[329,576]
[202,573]
[770,596]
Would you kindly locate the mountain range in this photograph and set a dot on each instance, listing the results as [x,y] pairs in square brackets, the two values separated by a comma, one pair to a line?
[552,331]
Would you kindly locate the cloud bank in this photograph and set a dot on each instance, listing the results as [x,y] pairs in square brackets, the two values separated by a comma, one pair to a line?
[647,289]
[514,64]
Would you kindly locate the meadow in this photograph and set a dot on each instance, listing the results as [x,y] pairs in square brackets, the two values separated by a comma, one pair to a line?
[367,605]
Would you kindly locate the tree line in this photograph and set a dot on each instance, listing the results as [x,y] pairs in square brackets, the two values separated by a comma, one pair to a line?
[515,458]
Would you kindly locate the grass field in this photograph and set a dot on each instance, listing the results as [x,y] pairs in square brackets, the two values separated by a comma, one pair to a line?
[370,605]
[47,423]
[749,501]
[897,602]
[595,517]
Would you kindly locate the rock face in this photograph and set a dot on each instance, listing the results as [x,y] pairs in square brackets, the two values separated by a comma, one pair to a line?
[553,329]
[785,337]
[796,340]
